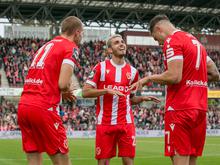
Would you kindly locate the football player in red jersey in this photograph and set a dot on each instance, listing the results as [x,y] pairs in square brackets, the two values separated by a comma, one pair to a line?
[109,82]
[48,77]
[186,67]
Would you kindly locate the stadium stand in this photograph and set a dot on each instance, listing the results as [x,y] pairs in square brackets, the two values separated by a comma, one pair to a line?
[83,118]
[16,55]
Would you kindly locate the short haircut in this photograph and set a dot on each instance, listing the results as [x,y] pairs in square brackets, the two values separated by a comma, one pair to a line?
[157,19]
[109,41]
[70,24]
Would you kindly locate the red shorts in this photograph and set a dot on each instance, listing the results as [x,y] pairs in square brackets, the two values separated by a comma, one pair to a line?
[42,130]
[108,137]
[185,132]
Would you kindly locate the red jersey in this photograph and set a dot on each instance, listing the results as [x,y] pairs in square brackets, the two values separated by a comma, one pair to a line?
[41,83]
[191,92]
[111,109]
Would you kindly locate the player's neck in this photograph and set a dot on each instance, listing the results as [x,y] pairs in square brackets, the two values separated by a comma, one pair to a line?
[171,30]
[118,60]
[70,38]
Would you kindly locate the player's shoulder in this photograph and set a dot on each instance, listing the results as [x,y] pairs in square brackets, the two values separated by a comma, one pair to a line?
[98,65]
[130,66]
[64,43]
[177,37]
[184,36]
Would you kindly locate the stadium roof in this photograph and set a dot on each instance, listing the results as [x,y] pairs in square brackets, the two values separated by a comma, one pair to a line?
[191,14]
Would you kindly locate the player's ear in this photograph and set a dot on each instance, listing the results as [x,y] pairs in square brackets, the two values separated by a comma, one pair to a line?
[109,51]
[157,28]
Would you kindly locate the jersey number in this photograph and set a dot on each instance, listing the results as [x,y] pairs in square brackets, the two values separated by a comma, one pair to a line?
[40,63]
[167,133]
[133,141]
[198,59]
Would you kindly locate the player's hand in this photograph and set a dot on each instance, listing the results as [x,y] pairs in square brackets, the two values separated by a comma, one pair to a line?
[114,92]
[68,96]
[151,98]
[136,86]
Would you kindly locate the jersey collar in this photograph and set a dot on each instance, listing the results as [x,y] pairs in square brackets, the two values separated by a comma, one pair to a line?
[116,65]
[175,31]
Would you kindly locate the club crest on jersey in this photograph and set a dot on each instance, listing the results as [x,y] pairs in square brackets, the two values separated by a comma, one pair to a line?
[75,54]
[128,75]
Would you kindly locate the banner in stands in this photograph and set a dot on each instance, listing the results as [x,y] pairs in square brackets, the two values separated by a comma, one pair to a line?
[91,134]
[213,93]
[157,93]
[96,34]
[10,91]
[85,102]
[17,31]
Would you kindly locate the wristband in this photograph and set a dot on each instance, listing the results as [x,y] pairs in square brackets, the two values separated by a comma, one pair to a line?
[77,93]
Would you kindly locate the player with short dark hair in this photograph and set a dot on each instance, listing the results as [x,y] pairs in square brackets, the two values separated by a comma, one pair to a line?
[185,75]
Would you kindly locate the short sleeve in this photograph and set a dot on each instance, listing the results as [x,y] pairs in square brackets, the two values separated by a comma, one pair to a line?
[173,49]
[208,59]
[71,56]
[94,76]
[134,75]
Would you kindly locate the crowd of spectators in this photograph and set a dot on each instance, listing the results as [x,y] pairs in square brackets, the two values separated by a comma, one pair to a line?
[8,115]
[76,118]
[213,115]
[149,118]
[16,56]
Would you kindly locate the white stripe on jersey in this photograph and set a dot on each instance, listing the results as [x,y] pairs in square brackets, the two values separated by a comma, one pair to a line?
[114,110]
[128,115]
[117,74]
[133,73]
[91,83]
[115,98]
[169,56]
[179,57]
[68,61]
[103,68]
[99,120]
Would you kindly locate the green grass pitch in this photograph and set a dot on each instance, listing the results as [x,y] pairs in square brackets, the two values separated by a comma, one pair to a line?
[149,151]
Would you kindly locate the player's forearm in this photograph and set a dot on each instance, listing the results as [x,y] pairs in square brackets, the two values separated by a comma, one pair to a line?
[164,78]
[89,93]
[213,77]
[136,100]
[212,70]
[65,87]
[213,74]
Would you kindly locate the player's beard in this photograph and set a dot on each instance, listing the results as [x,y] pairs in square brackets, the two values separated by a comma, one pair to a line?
[119,54]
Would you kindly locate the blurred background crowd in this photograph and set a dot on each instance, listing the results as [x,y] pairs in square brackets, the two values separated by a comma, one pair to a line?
[16,56]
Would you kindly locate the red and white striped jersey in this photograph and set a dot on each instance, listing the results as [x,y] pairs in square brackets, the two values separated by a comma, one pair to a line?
[111,109]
